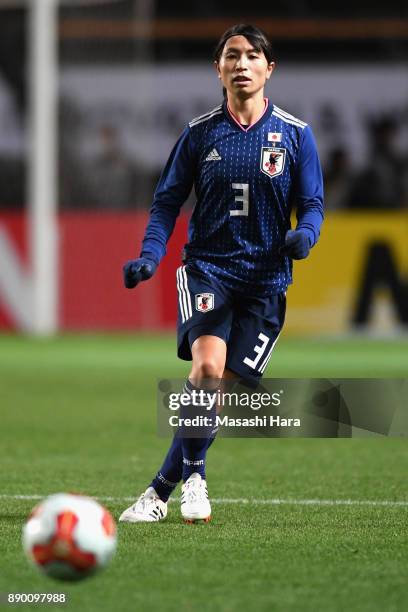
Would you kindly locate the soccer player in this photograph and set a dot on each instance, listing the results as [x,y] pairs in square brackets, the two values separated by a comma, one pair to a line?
[250,162]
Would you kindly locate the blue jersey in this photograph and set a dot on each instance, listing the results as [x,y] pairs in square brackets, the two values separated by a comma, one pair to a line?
[246,182]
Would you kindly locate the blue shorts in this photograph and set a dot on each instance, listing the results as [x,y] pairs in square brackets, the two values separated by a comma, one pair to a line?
[249,324]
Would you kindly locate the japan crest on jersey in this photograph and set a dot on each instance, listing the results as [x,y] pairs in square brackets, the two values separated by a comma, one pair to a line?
[273,160]
[204,302]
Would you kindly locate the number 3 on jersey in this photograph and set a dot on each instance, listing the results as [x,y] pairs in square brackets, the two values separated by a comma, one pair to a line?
[242,197]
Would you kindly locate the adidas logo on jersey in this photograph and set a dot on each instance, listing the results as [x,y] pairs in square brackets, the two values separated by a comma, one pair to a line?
[213,156]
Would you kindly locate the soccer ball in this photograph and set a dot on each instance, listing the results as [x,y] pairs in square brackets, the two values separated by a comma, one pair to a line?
[69,537]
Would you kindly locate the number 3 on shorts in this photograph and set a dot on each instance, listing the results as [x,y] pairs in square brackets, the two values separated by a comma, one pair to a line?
[259,349]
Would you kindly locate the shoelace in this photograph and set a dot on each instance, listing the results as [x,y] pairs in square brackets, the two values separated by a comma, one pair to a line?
[191,496]
[193,493]
[143,500]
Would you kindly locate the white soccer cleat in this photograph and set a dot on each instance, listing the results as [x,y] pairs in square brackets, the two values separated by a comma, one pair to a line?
[195,505]
[149,508]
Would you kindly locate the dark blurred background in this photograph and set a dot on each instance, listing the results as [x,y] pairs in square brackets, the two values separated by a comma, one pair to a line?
[142,43]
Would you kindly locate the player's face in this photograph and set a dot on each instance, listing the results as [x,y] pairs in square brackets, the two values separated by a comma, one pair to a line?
[242,69]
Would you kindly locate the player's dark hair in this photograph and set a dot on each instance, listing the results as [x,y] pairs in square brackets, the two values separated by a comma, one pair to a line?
[253,34]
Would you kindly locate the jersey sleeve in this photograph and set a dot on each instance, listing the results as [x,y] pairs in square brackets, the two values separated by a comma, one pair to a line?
[309,188]
[171,192]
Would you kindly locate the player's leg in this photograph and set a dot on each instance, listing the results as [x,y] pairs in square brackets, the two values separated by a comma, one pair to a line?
[202,310]
[209,354]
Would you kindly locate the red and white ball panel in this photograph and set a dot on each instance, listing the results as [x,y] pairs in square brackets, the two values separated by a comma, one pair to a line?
[69,536]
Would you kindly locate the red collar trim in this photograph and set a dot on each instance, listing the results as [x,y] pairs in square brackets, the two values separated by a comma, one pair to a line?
[266,102]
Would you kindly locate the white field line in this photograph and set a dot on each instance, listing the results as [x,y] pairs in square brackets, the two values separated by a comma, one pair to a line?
[249,501]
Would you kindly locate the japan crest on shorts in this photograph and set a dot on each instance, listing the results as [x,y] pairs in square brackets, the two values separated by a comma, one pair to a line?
[273,160]
[204,302]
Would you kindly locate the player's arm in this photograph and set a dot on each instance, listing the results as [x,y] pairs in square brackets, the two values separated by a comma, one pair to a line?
[172,191]
[308,199]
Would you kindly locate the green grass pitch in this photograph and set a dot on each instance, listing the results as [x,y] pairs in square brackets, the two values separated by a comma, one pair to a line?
[78,414]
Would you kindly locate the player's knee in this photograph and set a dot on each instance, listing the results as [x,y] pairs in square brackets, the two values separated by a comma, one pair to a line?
[207,368]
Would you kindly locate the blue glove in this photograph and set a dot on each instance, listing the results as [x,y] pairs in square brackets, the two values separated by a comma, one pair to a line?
[297,245]
[137,270]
